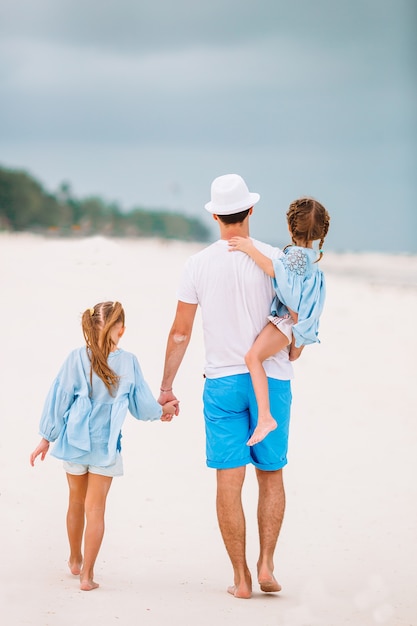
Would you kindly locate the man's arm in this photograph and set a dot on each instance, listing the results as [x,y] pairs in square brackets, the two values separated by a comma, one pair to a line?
[178,340]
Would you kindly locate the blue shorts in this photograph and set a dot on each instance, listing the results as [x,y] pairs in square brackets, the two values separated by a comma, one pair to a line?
[78,469]
[231,413]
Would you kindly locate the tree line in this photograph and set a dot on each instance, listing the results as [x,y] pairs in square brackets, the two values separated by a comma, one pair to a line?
[25,205]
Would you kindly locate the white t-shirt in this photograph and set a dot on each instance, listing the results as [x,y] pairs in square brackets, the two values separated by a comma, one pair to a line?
[235,298]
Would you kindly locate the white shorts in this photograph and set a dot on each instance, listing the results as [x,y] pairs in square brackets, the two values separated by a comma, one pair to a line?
[78,469]
[284,324]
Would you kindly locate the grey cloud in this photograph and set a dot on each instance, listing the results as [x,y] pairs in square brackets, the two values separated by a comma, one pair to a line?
[262,93]
[144,25]
[181,24]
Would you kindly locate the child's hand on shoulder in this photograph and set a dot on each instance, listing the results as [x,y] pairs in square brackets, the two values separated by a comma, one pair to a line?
[243,244]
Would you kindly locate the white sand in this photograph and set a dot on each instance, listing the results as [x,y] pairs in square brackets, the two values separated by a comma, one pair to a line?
[348,548]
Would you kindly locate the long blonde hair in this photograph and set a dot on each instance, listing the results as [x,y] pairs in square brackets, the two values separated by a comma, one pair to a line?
[97,324]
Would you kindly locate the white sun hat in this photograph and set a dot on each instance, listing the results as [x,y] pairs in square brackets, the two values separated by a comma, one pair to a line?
[230,194]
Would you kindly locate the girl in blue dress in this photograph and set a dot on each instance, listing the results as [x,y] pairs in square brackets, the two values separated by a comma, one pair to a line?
[300,292]
[83,414]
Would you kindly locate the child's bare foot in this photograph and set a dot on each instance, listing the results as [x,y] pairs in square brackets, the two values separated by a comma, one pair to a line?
[264,427]
[75,567]
[87,580]
[88,585]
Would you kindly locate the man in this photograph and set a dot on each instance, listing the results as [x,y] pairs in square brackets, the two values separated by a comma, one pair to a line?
[235,298]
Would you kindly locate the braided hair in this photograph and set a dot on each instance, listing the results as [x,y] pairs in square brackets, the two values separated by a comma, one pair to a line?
[97,324]
[308,220]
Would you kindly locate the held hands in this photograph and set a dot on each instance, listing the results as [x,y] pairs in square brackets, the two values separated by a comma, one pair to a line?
[170,405]
[243,244]
[169,409]
[41,449]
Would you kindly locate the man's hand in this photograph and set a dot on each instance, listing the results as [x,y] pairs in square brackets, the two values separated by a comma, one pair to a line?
[295,352]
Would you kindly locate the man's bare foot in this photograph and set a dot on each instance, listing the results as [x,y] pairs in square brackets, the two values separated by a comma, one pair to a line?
[243,585]
[269,584]
[264,427]
[241,591]
[88,585]
[75,567]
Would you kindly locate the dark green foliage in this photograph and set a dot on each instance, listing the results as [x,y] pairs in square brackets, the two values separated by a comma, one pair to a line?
[26,206]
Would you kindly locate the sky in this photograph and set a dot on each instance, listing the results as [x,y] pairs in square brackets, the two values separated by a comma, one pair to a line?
[145,102]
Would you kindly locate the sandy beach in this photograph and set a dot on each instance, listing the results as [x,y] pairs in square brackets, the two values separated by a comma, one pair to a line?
[347,553]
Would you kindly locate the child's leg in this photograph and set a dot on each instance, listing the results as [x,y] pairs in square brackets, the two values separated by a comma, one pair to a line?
[95,506]
[75,519]
[269,341]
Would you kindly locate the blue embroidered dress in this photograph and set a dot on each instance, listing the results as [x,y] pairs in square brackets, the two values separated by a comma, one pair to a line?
[87,429]
[299,285]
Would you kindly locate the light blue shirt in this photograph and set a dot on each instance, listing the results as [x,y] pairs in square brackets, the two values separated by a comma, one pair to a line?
[86,423]
[300,286]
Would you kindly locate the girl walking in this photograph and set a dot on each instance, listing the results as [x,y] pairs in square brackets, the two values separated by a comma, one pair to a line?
[300,292]
[83,414]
